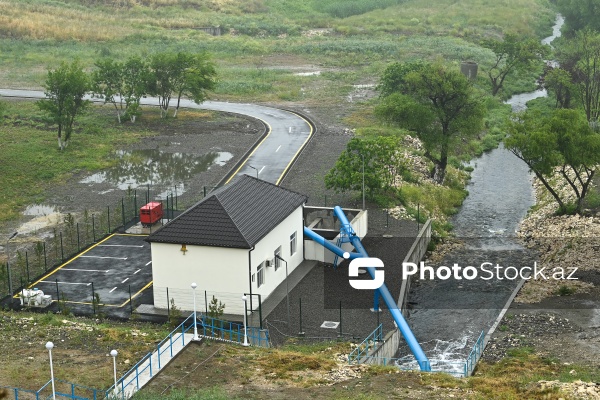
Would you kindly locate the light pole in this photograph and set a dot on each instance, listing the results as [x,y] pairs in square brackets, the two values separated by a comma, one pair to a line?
[287,287]
[113,354]
[244,298]
[8,263]
[194,286]
[50,346]
[256,169]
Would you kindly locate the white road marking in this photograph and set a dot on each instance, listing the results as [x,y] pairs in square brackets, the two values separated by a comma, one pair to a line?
[137,271]
[112,258]
[113,289]
[119,245]
[290,129]
[278,149]
[148,263]
[262,169]
[85,270]
[67,283]
[126,279]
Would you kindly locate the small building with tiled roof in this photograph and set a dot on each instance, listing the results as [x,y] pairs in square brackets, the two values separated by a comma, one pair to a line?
[227,244]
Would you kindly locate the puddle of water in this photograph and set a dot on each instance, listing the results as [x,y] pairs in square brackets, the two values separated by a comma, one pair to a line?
[40,210]
[137,168]
[312,73]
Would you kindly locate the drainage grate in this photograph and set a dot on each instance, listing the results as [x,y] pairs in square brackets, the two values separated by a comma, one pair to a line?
[330,324]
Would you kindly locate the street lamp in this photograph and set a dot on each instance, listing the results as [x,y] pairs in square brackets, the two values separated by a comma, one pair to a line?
[194,286]
[256,169]
[113,354]
[8,263]
[244,298]
[287,286]
[50,346]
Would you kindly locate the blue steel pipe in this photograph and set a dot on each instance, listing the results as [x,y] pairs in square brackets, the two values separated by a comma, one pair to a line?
[385,293]
[328,245]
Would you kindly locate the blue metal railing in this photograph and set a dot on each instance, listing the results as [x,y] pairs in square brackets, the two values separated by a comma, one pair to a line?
[63,390]
[130,381]
[367,345]
[474,355]
[213,328]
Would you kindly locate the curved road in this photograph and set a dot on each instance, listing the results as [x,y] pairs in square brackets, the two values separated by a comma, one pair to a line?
[287,133]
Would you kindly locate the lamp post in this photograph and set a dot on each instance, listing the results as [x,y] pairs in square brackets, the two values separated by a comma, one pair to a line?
[50,346]
[113,354]
[194,286]
[287,287]
[244,298]
[256,169]
[8,263]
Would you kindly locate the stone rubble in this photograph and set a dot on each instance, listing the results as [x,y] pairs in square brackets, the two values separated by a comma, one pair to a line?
[561,242]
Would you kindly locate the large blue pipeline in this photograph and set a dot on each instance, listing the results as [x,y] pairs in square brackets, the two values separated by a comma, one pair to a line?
[383,290]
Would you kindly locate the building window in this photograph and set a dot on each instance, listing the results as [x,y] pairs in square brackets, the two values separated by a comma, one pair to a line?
[293,244]
[277,260]
[260,275]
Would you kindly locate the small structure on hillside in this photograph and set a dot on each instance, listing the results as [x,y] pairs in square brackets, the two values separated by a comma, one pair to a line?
[231,242]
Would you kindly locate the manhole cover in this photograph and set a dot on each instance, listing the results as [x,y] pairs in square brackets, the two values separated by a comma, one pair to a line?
[330,324]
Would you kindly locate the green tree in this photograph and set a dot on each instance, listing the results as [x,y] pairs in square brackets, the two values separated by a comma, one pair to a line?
[65,88]
[563,145]
[558,82]
[176,74]
[198,77]
[512,53]
[137,82]
[436,103]
[383,164]
[580,14]
[581,58]
[108,84]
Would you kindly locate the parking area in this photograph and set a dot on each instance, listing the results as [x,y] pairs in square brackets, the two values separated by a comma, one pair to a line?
[115,271]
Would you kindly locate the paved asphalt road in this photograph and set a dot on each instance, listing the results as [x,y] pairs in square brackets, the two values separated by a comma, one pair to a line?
[287,133]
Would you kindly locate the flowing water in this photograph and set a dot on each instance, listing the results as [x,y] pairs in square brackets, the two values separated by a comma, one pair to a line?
[448,315]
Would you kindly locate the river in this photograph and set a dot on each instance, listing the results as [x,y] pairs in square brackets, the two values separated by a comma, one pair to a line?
[448,315]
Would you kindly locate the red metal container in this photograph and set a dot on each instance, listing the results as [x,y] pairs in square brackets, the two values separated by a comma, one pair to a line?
[151,213]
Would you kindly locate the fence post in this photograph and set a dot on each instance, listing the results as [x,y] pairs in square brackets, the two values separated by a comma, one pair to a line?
[93,299]
[172,207]
[131,303]
[168,305]
[167,208]
[27,266]
[260,311]
[108,218]
[57,292]
[62,251]
[45,259]
[123,211]
[205,303]
[340,334]
[78,242]
[93,229]
[301,333]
